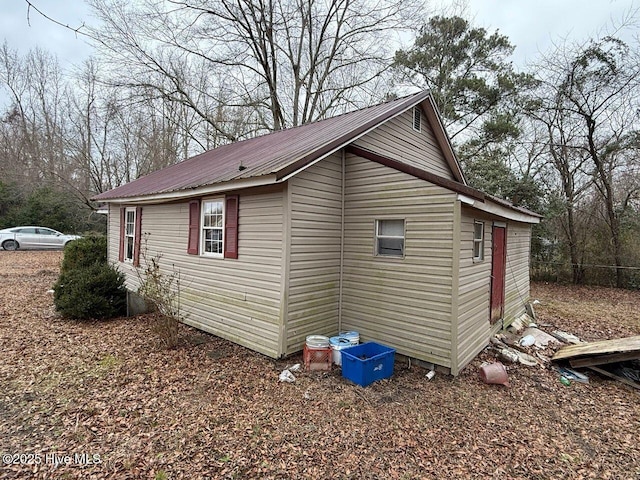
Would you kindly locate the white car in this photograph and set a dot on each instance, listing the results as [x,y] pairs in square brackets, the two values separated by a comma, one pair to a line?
[33,237]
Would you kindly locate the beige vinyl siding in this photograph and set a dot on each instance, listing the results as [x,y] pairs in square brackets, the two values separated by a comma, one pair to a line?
[235,299]
[401,302]
[398,140]
[517,270]
[315,241]
[475,282]
[474,289]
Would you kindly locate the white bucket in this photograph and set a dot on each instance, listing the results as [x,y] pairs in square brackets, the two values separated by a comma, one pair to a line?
[337,344]
[317,341]
[354,337]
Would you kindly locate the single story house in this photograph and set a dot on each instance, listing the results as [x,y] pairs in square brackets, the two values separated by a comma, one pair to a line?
[359,222]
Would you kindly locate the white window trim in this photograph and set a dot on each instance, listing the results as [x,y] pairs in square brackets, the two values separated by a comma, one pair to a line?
[128,259]
[480,240]
[202,227]
[416,112]
[376,237]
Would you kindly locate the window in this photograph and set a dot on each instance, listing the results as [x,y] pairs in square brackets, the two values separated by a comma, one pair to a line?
[390,238]
[129,234]
[478,240]
[417,119]
[212,227]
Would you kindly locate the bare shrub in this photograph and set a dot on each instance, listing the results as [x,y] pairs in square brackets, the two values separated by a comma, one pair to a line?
[162,291]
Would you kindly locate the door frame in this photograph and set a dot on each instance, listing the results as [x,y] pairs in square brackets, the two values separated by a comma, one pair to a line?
[498,273]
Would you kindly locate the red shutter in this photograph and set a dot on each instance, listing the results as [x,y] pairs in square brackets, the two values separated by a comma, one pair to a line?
[122,222]
[231,227]
[194,227]
[137,237]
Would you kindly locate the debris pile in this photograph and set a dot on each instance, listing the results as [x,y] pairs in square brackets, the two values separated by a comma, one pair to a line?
[525,343]
[618,358]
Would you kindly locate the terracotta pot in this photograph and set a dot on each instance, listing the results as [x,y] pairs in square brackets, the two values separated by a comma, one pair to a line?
[494,373]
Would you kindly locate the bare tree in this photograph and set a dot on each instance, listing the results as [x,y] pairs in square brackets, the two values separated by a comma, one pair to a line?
[72,131]
[588,104]
[569,183]
[282,62]
[34,126]
[602,90]
[117,135]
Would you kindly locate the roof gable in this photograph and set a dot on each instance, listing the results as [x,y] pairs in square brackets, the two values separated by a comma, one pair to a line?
[279,154]
[398,138]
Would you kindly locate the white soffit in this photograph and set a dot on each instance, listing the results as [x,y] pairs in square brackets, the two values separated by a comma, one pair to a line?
[494,209]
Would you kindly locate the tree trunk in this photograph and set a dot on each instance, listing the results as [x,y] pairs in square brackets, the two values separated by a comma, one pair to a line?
[577,270]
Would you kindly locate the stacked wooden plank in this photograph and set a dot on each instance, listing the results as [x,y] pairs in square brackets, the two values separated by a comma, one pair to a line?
[604,357]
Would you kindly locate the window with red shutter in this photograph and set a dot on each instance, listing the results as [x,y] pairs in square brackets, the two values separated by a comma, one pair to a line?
[213,227]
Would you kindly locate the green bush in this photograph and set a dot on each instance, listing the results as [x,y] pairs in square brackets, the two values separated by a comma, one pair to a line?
[88,287]
[96,291]
[84,253]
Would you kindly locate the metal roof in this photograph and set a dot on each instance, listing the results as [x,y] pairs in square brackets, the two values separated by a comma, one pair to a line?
[279,153]
[508,204]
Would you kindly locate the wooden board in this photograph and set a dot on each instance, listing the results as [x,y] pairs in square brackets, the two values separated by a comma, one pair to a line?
[616,377]
[606,348]
[604,359]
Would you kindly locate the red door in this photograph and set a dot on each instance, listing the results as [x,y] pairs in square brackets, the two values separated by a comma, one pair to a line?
[498,270]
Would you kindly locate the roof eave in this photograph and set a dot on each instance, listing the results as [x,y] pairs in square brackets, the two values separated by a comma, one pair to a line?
[164,197]
[503,211]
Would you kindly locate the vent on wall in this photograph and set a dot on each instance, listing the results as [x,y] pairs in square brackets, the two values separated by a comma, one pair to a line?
[416,119]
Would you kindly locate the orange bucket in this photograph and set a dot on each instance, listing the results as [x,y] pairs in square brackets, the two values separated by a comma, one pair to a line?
[494,373]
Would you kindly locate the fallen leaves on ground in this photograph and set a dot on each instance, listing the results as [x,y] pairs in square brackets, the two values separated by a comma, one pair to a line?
[591,313]
[212,409]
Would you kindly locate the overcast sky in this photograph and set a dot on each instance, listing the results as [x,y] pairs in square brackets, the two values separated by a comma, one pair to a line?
[531,25]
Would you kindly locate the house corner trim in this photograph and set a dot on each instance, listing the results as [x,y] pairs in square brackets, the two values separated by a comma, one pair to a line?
[455,284]
[286,265]
[343,163]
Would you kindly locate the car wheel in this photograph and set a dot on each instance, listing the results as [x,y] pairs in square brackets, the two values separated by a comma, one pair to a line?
[10,245]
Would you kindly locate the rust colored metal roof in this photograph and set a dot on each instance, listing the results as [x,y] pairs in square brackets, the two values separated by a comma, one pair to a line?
[278,153]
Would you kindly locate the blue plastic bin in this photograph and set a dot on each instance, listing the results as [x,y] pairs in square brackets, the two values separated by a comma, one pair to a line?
[365,363]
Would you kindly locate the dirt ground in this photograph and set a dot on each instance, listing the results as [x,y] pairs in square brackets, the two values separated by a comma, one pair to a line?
[101,400]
